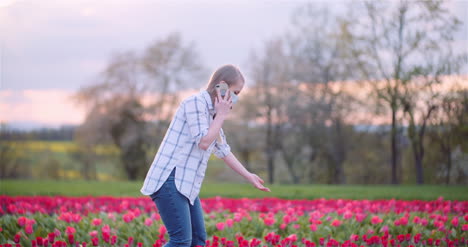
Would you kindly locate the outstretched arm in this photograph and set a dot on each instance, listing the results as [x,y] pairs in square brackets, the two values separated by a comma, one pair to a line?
[235,165]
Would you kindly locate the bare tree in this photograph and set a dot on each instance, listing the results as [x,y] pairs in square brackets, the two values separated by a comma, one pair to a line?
[390,41]
[118,113]
[245,133]
[420,97]
[170,66]
[447,126]
[293,143]
[318,51]
[268,69]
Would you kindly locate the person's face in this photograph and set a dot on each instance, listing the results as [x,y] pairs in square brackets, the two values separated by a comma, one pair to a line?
[236,88]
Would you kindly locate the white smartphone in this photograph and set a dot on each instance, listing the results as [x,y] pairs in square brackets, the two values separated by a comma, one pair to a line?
[223,87]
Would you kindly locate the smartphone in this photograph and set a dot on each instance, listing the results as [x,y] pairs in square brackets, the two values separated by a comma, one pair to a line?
[223,87]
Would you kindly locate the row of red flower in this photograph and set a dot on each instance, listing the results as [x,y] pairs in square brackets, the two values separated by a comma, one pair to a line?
[88,204]
[108,221]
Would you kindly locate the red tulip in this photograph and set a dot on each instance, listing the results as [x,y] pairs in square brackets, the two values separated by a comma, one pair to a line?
[348,214]
[269,221]
[128,217]
[336,223]
[162,230]
[17,238]
[313,227]
[76,218]
[96,222]
[71,238]
[376,220]
[148,221]
[292,237]
[220,226]
[30,221]
[29,229]
[93,233]
[106,228]
[130,241]
[70,230]
[95,241]
[465,227]
[22,221]
[155,216]
[57,232]
[51,237]
[113,239]
[455,221]
[424,222]
[354,237]
[417,238]
[359,217]
[106,237]
[322,241]
[40,241]
[229,222]
[111,216]
[408,237]
[384,229]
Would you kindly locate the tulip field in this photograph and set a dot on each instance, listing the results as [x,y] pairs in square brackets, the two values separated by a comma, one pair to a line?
[135,222]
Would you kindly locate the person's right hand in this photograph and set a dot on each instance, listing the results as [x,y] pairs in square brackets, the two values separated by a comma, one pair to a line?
[223,105]
[257,182]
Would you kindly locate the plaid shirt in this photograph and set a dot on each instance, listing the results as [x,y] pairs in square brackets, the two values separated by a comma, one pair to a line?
[179,148]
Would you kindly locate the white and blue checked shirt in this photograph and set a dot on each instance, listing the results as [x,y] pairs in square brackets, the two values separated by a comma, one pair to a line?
[179,148]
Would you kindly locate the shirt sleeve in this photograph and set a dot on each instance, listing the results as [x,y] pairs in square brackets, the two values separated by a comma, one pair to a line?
[221,150]
[196,115]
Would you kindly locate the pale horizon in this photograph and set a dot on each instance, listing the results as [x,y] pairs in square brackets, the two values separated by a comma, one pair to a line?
[54,107]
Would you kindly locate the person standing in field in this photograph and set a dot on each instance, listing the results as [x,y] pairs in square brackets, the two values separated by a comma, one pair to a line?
[176,174]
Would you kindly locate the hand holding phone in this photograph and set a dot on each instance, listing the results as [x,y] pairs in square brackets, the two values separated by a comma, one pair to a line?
[223,103]
[222,88]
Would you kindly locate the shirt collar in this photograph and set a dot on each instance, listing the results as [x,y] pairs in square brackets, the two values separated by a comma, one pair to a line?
[208,100]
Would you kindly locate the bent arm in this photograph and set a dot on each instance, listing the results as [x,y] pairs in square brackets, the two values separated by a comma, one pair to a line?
[213,132]
[197,117]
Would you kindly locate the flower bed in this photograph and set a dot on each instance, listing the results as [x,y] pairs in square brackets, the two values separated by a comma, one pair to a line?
[134,221]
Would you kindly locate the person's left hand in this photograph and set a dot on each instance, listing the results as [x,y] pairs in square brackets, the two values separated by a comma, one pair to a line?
[257,182]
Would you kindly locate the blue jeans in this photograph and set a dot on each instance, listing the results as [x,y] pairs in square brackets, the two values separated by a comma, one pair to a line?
[184,222]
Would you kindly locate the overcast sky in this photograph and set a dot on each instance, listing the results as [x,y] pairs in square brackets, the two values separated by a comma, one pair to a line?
[54,47]
[63,44]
